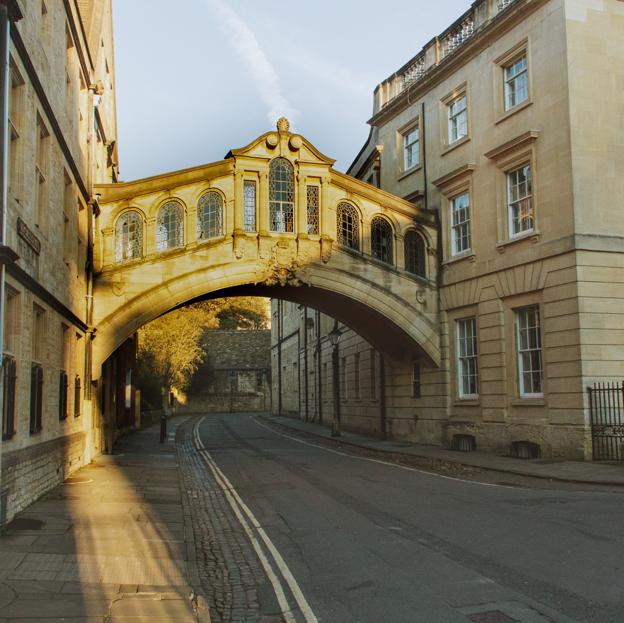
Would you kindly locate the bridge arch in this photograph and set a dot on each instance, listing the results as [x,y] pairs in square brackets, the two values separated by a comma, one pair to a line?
[394,310]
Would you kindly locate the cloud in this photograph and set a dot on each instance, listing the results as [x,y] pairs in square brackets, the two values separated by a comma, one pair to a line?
[332,74]
[253,56]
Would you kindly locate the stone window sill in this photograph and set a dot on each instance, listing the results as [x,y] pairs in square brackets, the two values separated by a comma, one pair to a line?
[465,255]
[528,402]
[455,144]
[512,111]
[467,402]
[409,172]
[532,235]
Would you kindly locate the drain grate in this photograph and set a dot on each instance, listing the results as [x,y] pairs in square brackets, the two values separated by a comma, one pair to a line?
[491,616]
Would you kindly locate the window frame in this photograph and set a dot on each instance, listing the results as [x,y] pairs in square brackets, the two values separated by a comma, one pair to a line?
[182,227]
[282,213]
[509,80]
[421,240]
[500,66]
[454,118]
[508,157]
[447,140]
[401,167]
[250,225]
[378,246]
[356,244]
[455,252]
[135,213]
[205,213]
[512,203]
[519,352]
[313,209]
[462,356]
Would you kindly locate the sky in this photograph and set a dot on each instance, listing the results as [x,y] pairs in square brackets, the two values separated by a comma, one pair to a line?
[196,78]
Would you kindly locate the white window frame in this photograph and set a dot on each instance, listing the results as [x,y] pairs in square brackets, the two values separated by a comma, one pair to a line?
[457,118]
[411,148]
[517,198]
[457,226]
[516,81]
[467,356]
[526,350]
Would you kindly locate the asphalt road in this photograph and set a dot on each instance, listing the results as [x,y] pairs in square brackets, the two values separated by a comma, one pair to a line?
[346,539]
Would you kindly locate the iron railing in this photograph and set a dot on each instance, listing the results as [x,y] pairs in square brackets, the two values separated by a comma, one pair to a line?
[606,403]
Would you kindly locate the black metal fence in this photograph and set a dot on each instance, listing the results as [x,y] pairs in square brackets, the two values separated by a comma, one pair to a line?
[606,402]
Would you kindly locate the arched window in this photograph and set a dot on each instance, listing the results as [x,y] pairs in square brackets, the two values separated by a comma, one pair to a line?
[209,215]
[382,237]
[128,237]
[170,226]
[281,195]
[415,253]
[348,226]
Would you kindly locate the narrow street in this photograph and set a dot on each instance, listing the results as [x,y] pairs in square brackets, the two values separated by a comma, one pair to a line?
[289,530]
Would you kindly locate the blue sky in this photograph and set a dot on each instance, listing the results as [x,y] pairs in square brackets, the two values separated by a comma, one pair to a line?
[196,78]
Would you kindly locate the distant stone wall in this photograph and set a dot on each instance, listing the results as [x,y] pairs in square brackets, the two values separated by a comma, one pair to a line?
[30,472]
[235,376]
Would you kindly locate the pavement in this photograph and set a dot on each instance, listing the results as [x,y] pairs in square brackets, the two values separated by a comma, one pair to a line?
[581,472]
[114,543]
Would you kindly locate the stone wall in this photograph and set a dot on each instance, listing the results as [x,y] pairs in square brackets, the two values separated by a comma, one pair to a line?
[235,376]
[28,474]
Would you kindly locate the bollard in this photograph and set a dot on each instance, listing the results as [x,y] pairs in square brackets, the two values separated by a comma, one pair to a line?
[163,428]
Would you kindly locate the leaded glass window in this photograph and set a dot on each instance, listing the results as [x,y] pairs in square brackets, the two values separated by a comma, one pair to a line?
[313,209]
[348,226]
[210,215]
[281,195]
[381,239]
[415,261]
[249,197]
[128,237]
[170,226]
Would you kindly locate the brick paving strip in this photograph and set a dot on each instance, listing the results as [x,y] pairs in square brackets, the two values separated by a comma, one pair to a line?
[230,573]
[110,544]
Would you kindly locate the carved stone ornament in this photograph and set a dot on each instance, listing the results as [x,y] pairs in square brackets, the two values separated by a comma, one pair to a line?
[326,248]
[118,285]
[284,276]
[283,125]
[239,243]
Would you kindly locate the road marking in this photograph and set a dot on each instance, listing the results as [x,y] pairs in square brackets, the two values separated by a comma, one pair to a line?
[363,458]
[237,504]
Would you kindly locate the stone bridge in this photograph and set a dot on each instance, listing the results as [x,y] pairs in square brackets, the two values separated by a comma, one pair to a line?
[271,219]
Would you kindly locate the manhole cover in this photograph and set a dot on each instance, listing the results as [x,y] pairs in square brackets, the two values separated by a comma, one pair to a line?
[25,523]
[491,616]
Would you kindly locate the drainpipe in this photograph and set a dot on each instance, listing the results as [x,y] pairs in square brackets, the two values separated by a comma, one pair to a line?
[319,367]
[382,397]
[9,11]
[279,357]
[305,361]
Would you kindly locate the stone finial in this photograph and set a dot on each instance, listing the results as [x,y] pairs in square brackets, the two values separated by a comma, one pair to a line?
[283,124]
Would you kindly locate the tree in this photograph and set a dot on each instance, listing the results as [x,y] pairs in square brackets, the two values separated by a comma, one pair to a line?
[170,348]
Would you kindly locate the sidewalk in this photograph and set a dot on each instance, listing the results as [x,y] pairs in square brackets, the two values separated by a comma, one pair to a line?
[109,545]
[549,469]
